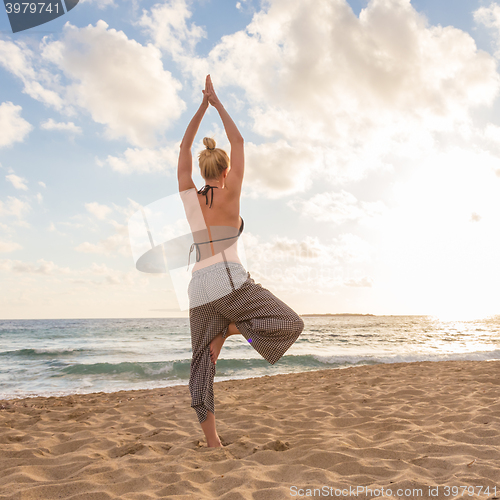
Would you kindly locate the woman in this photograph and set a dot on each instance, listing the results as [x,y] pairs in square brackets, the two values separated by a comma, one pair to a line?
[224,299]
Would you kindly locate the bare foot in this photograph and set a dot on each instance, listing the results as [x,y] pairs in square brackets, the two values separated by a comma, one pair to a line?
[216,444]
[218,342]
[215,347]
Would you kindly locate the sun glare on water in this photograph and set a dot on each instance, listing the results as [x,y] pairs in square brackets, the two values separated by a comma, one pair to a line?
[462,314]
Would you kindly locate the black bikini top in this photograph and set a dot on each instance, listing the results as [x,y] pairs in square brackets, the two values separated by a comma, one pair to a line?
[204,191]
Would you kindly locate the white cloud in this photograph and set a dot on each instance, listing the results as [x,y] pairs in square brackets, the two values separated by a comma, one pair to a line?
[112,276]
[282,248]
[307,265]
[17,182]
[39,197]
[129,210]
[166,23]
[98,210]
[345,249]
[365,90]
[14,128]
[14,206]
[9,246]
[40,183]
[363,282]
[53,229]
[119,81]
[336,207]
[73,224]
[42,266]
[16,59]
[144,160]
[109,276]
[278,168]
[490,17]
[350,248]
[19,59]
[101,4]
[50,124]
[119,242]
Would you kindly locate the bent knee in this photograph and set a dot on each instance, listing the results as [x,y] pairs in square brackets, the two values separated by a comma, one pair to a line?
[295,326]
[298,325]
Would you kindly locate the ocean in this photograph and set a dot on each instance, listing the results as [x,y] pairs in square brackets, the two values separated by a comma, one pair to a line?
[76,356]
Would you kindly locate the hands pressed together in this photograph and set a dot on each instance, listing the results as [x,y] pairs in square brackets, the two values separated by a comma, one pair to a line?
[209,95]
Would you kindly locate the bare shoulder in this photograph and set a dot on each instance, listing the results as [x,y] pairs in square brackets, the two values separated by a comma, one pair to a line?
[232,191]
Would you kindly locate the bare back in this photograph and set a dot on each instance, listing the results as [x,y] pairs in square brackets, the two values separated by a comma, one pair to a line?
[224,209]
[211,219]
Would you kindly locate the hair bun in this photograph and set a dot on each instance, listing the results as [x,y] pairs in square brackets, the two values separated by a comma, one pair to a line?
[209,143]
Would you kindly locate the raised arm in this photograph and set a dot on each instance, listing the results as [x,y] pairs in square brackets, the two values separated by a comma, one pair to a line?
[235,175]
[185,165]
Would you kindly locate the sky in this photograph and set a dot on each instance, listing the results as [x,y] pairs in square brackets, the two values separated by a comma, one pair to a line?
[372,149]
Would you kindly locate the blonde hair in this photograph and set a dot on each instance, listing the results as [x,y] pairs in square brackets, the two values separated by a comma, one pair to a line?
[213,161]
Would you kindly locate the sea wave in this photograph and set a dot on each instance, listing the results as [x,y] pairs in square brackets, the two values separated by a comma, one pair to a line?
[180,370]
[484,355]
[48,351]
[135,370]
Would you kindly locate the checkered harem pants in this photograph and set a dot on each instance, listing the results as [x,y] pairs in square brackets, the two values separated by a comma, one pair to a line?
[224,293]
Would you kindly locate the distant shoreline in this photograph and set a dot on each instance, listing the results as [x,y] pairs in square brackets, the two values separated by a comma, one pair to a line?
[338,314]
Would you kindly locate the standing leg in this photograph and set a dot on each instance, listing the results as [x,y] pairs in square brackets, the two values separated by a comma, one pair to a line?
[206,325]
[208,427]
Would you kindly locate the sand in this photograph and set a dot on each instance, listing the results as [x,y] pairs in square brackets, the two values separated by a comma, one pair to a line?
[410,428]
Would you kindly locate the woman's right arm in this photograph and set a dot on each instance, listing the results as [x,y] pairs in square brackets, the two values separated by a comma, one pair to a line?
[185,164]
[233,134]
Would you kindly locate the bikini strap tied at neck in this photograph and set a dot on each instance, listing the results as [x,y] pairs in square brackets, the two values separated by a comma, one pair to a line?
[204,190]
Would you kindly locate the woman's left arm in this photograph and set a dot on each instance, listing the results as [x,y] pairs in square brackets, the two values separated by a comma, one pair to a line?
[185,165]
